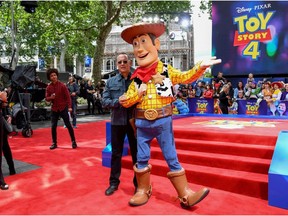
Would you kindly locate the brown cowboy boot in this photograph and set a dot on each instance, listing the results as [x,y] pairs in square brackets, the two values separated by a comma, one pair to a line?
[144,189]
[186,196]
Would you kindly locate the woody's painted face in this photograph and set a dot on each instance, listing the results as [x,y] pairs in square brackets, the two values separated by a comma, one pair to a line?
[144,51]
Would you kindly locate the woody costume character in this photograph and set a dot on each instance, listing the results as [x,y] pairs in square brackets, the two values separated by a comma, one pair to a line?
[152,92]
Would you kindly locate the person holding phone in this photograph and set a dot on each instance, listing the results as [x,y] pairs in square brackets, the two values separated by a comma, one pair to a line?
[57,93]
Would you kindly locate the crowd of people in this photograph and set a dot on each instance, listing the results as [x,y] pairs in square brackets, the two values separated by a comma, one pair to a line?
[226,95]
[93,94]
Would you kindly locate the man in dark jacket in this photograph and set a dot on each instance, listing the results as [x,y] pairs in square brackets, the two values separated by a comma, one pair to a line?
[120,121]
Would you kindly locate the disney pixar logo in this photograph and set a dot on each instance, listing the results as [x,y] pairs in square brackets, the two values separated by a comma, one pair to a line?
[256,7]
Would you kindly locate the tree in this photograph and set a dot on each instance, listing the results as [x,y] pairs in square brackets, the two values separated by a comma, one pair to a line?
[20,39]
[132,11]
[74,28]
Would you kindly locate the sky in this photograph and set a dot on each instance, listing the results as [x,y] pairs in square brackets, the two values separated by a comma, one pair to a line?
[202,34]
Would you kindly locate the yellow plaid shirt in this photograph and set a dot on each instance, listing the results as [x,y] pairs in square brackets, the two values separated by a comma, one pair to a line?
[151,100]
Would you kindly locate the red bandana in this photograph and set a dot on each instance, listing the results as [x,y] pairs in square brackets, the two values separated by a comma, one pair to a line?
[145,74]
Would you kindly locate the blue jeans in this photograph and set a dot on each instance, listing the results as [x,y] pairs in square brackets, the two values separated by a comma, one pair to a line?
[162,130]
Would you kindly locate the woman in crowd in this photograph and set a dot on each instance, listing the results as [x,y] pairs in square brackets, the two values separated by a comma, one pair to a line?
[208,92]
[90,99]
[240,87]
[191,92]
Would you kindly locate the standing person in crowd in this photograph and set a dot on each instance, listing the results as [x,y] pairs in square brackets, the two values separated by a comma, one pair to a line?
[120,121]
[98,101]
[220,79]
[82,89]
[58,94]
[231,92]
[90,100]
[74,92]
[6,113]
[151,91]
[101,86]
[3,102]
[224,98]
[250,78]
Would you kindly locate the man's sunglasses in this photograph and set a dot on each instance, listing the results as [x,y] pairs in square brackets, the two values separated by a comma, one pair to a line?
[124,62]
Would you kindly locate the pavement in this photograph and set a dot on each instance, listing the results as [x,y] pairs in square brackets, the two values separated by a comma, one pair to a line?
[81,118]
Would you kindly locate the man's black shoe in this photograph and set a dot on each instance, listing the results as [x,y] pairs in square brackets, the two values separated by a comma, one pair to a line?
[12,171]
[110,190]
[53,146]
[4,186]
[74,145]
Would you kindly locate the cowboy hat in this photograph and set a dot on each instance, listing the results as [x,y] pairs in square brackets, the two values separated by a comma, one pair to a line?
[133,31]
[279,84]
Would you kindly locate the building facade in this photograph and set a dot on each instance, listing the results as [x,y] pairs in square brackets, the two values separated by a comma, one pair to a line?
[176,49]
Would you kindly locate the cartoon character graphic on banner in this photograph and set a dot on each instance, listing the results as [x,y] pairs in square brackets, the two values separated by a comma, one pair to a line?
[280,109]
[153,112]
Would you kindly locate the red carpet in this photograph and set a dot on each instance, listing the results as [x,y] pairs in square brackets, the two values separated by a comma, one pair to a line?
[73,181]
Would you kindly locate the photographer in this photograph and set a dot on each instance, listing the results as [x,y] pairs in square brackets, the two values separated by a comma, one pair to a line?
[3,102]
[6,113]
